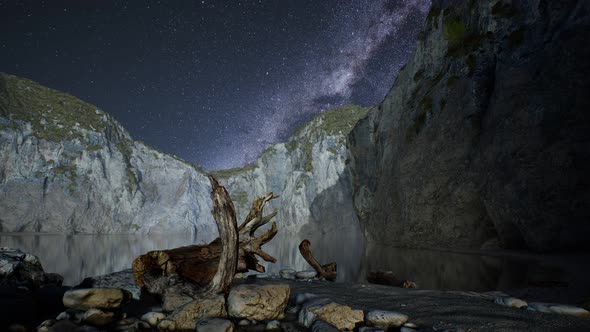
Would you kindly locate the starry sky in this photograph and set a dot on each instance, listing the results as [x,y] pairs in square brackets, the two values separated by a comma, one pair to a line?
[212,82]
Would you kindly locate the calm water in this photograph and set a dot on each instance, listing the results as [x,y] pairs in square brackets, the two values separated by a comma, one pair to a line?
[79,256]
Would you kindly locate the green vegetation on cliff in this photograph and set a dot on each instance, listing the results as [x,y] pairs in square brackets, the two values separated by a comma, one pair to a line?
[54,116]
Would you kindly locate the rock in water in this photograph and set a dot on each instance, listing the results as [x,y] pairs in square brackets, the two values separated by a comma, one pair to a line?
[287,273]
[187,316]
[561,309]
[267,302]
[215,325]
[18,268]
[385,319]
[100,298]
[510,302]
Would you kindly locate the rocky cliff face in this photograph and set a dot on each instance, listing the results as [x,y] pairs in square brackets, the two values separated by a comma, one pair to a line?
[68,167]
[485,136]
[310,174]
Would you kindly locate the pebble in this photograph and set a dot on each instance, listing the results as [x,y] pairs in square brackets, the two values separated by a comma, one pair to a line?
[556,308]
[167,325]
[411,325]
[510,302]
[406,329]
[307,274]
[385,319]
[287,273]
[153,318]
[99,298]
[244,322]
[273,325]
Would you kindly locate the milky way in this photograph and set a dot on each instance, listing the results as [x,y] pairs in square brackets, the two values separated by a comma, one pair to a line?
[213,82]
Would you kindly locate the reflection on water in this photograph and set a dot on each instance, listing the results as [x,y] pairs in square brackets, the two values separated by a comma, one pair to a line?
[79,256]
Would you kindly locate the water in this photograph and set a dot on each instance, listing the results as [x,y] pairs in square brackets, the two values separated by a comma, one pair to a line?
[79,256]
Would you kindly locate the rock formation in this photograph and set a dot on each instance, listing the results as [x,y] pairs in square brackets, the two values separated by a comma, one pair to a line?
[485,136]
[68,167]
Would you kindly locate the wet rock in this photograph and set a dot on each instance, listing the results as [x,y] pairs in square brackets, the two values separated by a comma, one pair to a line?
[153,318]
[167,325]
[187,316]
[385,319]
[287,273]
[321,326]
[215,325]
[341,316]
[307,274]
[561,309]
[21,269]
[265,302]
[100,298]
[122,279]
[273,325]
[510,302]
[303,297]
[97,317]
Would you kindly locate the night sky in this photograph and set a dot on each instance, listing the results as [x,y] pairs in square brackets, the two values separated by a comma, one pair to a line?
[213,82]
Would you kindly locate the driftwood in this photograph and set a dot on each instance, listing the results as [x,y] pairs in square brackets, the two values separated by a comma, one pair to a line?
[327,271]
[211,267]
[389,279]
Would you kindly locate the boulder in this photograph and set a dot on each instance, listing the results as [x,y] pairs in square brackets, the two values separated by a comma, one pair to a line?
[18,268]
[122,279]
[265,302]
[385,319]
[100,298]
[341,316]
[187,316]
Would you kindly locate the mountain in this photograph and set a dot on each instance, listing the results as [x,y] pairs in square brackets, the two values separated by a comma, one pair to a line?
[484,139]
[310,174]
[68,167]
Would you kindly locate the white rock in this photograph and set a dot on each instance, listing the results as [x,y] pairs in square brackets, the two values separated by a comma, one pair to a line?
[510,302]
[273,325]
[153,318]
[556,308]
[385,319]
[307,274]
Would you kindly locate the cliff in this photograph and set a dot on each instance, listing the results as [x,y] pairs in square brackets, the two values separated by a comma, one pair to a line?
[68,167]
[310,174]
[484,139]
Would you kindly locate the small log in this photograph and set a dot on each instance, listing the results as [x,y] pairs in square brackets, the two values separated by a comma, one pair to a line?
[327,271]
[214,265]
[389,279]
